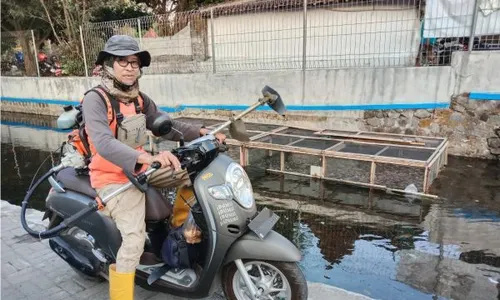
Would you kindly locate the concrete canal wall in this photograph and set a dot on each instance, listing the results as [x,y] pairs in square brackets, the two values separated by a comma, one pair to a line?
[457,101]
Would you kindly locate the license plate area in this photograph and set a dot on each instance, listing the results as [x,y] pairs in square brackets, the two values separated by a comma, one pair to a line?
[262,224]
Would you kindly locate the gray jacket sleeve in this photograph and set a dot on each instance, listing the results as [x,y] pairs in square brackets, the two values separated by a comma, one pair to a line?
[189,131]
[96,123]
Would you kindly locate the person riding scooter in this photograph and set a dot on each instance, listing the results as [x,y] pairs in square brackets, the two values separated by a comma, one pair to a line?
[116,116]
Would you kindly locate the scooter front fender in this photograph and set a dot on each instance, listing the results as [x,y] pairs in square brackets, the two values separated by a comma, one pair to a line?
[273,247]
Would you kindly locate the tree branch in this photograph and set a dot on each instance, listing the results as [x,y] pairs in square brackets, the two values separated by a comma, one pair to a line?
[50,21]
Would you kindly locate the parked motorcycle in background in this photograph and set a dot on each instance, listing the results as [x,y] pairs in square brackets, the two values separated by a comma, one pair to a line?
[49,66]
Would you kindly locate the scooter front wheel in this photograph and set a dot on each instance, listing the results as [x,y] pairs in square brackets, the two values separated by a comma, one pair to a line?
[272,280]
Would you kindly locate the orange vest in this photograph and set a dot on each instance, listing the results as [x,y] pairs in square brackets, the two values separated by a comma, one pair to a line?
[102,171]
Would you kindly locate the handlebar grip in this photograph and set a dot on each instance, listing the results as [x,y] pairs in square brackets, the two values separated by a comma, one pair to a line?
[156,165]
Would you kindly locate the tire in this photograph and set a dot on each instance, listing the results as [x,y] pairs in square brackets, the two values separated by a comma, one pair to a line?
[291,271]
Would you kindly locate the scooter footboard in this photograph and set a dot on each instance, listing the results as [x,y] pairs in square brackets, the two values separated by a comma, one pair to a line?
[273,247]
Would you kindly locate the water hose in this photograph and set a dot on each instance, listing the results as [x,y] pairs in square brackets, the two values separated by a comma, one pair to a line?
[64,224]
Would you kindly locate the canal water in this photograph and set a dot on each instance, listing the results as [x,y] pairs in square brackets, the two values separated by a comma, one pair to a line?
[379,245]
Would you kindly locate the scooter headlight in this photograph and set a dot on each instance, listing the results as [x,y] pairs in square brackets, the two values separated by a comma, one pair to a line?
[239,183]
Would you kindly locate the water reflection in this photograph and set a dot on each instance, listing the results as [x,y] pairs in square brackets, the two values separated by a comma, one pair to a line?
[363,241]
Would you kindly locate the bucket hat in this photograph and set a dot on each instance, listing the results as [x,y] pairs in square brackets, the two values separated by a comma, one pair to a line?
[123,45]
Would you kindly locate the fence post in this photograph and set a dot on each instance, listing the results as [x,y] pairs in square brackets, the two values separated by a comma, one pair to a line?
[304,52]
[304,41]
[36,54]
[140,33]
[473,26]
[212,38]
[83,52]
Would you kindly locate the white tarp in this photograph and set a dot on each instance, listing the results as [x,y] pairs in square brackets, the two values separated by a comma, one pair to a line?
[453,18]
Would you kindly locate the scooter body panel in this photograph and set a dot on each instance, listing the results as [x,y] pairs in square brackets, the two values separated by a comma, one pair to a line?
[101,227]
[273,247]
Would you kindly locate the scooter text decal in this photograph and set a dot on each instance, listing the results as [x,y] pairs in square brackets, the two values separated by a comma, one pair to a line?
[227,214]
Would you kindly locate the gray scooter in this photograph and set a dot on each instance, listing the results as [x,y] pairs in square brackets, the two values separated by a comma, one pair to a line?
[239,249]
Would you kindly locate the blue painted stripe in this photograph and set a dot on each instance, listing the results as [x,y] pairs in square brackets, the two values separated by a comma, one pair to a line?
[484,95]
[428,105]
[316,107]
[35,100]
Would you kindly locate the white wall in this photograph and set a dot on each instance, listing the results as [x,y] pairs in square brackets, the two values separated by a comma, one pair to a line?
[343,38]
[370,86]
[480,74]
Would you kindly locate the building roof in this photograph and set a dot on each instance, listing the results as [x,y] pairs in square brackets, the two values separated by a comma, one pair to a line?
[256,6]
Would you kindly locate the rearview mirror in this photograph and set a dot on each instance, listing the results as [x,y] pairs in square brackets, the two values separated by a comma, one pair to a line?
[275,103]
[161,124]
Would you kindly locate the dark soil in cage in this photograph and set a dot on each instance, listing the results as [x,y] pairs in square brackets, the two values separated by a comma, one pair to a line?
[260,158]
[399,177]
[361,148]
[415,154]
[345,169]
[301,163]
[427,142]
[316,144]
[278,140]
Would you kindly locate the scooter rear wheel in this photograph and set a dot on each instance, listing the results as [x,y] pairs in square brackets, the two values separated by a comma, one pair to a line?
[274,280]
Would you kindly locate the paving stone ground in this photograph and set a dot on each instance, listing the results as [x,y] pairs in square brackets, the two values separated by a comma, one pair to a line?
[31,271]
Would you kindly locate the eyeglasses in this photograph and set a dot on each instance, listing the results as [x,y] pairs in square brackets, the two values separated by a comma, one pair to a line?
[124,63]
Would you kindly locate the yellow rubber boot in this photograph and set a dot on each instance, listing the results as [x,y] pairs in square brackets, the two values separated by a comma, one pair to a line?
[181,209]
[121,285]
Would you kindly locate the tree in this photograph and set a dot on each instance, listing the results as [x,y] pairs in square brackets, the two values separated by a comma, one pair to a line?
[17,19]
[167,6]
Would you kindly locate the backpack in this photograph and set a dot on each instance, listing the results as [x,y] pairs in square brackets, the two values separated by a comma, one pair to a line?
[78,138]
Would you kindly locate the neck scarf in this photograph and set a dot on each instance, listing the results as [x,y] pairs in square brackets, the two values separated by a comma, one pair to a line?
[120,91]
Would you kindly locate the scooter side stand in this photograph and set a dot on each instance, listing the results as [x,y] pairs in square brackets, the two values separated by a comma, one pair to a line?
[247,279]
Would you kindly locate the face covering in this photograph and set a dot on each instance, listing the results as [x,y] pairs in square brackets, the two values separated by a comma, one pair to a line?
[121,91]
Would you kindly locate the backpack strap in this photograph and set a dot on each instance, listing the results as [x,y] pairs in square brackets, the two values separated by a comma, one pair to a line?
[182,249]
[183,254]
[139,103]
[138,108]
[113,108]
[84,139]
[105,99]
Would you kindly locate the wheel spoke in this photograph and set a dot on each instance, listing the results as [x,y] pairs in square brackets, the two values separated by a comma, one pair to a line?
[261,273]
[273,290]
[274,277]
[253,278]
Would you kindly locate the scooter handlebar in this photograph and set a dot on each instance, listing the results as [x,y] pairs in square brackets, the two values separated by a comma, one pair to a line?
[156,165]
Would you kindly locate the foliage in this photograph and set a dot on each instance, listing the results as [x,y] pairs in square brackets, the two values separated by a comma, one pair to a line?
[71,63]
[120,12]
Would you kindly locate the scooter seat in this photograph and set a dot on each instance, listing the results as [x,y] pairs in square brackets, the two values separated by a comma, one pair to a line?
[157,207]
[76,183]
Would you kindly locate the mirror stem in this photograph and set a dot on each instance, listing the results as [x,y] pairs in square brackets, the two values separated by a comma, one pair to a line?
[261,101]
[181,139]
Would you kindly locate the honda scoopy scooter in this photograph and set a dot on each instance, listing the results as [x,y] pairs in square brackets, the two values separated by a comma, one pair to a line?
[238,249]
